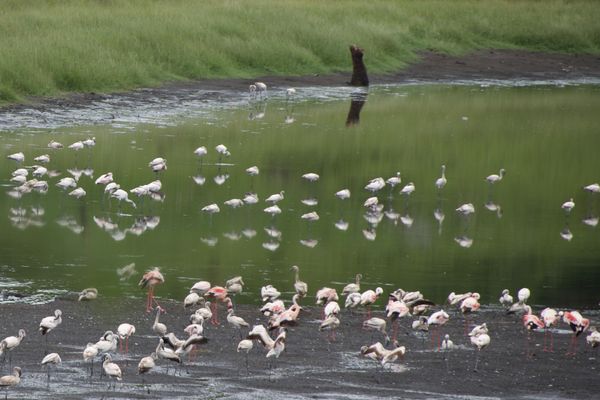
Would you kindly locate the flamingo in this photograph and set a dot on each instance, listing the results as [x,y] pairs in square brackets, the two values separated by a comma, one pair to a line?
[89,142]
[592,188]
[44,159]
[88,294]
[89,353]
[49,323]
[480,341]
[352,300]
[122,196]
[218,293]
[253,170]
[343,194]
[330,323]
[107,343]
[222,150]
[287,317]
[259,332]
[111,369]
[159,328]
[377,324]
[506,299]
[379,353]
[18,157]
[375,184]
[466,209]
[55,145]
[447,344]
[441,181]
[278,344]
[78,193]
[166,353]
[325,295]
[369,297]
[493,178]
[300,287]
[235,321]
[149,280]
[523,295]
[261,88]
[568,205]
[273,210]
[437,319]
[469,305]
[201,287]
[269,293]
[10,380]
[192,299]
[593,339]
[394,180]
[104,179]
[578,325]
[245,346]
[352,287]
[311,177]
[124,331]
[201,151]
[531,322]
[408,189]
[550,317]
[10,343]
[146,364]
[52,358]
[275,198]
[396,309]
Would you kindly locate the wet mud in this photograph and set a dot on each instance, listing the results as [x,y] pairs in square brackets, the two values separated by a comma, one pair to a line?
[312,365]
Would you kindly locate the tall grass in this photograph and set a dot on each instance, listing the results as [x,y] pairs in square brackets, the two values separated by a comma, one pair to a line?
[48,47]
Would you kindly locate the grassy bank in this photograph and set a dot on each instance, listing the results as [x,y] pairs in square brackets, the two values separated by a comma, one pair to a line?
[51,47]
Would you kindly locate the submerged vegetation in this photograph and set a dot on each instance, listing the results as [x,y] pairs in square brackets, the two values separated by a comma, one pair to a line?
[49,47]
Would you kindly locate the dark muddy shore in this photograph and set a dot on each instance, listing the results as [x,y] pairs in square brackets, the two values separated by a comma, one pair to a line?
[310,367]
[432,67]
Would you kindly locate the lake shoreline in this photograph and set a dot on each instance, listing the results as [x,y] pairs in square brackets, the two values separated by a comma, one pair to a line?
[431,68]
[310,367]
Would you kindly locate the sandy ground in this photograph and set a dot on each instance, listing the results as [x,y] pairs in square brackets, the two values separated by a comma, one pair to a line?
[310,367]
[432,67]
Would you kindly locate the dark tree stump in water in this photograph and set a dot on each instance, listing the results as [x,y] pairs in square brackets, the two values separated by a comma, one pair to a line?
[357,101]
[359,71]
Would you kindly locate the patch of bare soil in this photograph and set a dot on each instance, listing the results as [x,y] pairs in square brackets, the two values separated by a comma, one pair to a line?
[311,366]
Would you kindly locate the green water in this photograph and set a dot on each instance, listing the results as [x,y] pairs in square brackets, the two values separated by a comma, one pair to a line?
[547,138]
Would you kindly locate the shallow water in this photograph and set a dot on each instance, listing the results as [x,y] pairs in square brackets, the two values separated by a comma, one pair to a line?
[545,136]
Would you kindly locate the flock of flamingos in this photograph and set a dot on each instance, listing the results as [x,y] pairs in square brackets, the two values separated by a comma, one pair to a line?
[272,336]
[205,298]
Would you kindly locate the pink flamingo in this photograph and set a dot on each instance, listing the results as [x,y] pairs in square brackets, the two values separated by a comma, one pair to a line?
[531,322]
[150,279]
[217,293]
[369,297]
[437,319]
[550,317]
[578,325]
[469,305]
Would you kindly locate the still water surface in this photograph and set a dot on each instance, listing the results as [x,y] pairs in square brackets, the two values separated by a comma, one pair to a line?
[546,137]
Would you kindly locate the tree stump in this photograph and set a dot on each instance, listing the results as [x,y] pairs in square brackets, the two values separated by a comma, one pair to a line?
[359,71]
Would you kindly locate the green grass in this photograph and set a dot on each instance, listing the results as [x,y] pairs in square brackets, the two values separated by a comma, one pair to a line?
[52,47]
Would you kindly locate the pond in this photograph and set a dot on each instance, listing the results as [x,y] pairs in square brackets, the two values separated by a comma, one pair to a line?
[544,136]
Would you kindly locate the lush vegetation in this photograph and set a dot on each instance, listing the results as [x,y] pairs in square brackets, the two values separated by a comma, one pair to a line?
[49,47]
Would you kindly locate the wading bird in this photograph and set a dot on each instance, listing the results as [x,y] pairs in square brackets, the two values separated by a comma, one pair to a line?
[441,181]
[149,280]
[493,178]
[111,369]
[10,380]
[8,344]
[300,287]
[51,359]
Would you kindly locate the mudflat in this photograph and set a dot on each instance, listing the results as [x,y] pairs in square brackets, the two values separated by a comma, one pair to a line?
[313,364]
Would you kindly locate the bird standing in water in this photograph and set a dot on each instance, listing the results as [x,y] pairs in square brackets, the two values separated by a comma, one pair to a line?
[149,280]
